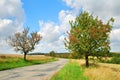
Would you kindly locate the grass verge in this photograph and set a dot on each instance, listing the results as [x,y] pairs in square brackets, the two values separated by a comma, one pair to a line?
[14,62]
[75,70]
[71,71]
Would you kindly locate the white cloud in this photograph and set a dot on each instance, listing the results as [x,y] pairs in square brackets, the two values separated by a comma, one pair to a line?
[64,18]
[53,33]
[11,21]
[52,38]
[115,35]
[115,46]
[49,30]
[104,9]
[115,40]
[11,9]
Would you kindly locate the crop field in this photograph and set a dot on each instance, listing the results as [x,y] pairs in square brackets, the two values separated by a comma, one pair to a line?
[9,61]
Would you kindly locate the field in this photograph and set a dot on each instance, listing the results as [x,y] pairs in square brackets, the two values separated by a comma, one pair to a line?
[98,71]
[8,61]
[101,71]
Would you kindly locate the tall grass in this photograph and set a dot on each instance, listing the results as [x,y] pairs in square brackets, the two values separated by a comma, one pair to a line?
[14,61]
[71,71]
[102,71]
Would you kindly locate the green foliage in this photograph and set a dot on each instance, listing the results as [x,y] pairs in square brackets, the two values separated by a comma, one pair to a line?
[113,57]
[114,60]
[75,55]
[89,36]
[62,55]
[52,53]
[71,71]
[19,62]
[114,54]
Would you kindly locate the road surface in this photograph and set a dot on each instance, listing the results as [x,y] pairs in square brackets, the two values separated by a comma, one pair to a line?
[35,72]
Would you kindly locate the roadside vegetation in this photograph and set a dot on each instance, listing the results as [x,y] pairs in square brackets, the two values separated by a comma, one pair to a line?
[59,55]
[13,61]
[76,70]
[101,71]
[71,71]
[114,58]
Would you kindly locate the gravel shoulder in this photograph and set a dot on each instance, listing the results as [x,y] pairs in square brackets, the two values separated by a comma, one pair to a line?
[35,72]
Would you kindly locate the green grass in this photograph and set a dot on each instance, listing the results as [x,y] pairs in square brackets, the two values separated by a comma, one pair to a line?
[71,71]
[10,63]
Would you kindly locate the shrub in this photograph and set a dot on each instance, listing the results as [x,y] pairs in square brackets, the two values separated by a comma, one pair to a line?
[114,60]
[52,53]
[75,55]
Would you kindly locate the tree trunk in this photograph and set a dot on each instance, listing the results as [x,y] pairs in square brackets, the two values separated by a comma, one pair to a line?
[25,56]
[87,60]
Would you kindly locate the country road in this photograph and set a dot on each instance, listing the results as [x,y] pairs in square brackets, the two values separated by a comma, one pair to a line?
[35,72]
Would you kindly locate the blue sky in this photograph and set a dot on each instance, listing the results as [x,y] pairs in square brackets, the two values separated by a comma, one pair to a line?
[41,10]
[51,19]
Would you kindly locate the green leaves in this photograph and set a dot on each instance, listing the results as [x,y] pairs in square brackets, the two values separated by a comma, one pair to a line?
[89,35]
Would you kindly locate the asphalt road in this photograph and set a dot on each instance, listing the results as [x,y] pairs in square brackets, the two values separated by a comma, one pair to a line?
[35,72]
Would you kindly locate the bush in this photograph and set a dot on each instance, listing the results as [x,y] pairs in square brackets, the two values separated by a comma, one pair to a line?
[52,53]
[114,60]
[75,55]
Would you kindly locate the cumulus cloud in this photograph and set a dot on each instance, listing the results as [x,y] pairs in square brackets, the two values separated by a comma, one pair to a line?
[54,33]
[49,30]
[11,9]
[115,37]
[104,9]
[11,21]
[115,40]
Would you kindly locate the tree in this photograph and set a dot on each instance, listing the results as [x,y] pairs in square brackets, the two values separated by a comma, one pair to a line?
[52,53]
[89,36]
[24,42]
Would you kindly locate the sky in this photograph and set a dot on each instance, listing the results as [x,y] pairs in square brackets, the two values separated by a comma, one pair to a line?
[50,18]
